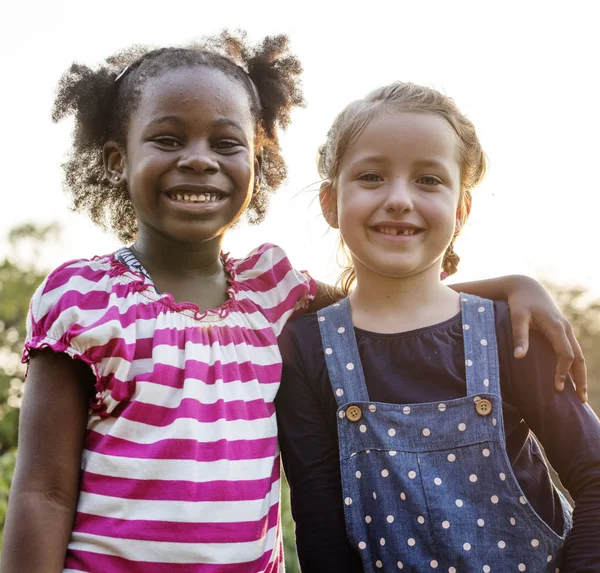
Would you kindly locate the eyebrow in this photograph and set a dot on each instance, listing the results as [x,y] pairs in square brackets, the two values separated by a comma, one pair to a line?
[380,159]
[221,122]
[371,159]
[226,122]
[165,119]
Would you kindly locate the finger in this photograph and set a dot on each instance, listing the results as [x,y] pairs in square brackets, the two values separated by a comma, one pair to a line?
[578,367]
[556,333]
[520,333]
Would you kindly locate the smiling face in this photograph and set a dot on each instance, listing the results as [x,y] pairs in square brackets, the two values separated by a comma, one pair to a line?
[397,194]
[189,163]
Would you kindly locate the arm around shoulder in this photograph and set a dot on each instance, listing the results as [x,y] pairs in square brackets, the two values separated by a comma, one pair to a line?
[45,487]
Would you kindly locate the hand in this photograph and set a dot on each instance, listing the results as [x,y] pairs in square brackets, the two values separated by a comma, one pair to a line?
[532,307]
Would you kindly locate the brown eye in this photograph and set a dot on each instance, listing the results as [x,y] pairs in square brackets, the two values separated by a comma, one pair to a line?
[169,142]
[370,177]
[227,145]
[429,180]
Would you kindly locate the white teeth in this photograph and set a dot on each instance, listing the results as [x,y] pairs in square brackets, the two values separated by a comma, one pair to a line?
[196,198]
[395,231]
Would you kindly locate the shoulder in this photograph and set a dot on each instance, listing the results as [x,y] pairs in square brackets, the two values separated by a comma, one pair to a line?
[78,293]
[267,278]
[258,261]
[304,328]
[300,338]
[71,280]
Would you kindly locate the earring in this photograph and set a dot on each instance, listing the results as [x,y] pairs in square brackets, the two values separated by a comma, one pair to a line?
[117,178]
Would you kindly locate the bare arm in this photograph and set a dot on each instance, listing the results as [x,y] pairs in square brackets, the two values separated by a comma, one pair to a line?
[531,307]
[44,491]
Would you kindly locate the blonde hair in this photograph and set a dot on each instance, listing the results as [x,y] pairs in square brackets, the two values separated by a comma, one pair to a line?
[412,98]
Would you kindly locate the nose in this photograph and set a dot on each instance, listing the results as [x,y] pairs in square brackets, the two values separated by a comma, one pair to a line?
[199,158]
[399,198]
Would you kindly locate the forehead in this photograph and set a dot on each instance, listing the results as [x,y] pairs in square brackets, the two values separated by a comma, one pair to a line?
[406,135]
[195,91]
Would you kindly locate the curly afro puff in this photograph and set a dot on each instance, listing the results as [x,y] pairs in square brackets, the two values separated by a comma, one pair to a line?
[102,100]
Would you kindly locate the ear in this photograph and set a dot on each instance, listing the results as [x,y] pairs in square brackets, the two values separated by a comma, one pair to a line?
[113,158]
[258,171]
[328,200]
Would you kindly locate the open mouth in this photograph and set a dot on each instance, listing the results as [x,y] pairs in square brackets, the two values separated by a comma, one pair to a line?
[397,231]
[189,197]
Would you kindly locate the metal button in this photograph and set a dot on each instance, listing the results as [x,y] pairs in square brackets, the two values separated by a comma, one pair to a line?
[484,407]
[354,413]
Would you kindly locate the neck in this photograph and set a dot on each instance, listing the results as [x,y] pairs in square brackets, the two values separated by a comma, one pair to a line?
[163,255]
[388,304]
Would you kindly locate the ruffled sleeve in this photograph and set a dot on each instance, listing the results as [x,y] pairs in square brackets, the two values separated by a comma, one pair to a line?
[267,279]
[66,310]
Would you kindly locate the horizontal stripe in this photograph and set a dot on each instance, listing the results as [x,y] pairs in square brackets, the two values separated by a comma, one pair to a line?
[263,257]
[90,562]
[186,428]
[175,490]
[190,408]
[133,549]
[169,469]
[279,315]
[181,511]
[183,449]
[148,392]
[93,271]
[271,277]
[170,532]
[202,373]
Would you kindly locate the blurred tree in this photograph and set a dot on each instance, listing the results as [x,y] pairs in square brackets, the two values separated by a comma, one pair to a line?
[583,312]
[20,274]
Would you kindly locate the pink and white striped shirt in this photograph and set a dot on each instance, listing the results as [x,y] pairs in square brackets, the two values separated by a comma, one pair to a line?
[180,468]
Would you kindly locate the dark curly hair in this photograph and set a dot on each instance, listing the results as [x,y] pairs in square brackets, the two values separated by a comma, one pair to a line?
[102,101]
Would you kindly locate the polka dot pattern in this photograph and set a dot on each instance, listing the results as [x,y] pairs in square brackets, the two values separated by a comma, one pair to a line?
[440,449]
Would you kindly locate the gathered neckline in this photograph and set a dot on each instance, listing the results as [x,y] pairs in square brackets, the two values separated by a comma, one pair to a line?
[124,262]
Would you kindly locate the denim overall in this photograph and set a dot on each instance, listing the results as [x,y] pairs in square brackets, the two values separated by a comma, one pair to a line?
[429,486]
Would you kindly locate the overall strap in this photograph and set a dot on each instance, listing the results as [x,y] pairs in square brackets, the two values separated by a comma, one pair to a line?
[341,353]
[481,349]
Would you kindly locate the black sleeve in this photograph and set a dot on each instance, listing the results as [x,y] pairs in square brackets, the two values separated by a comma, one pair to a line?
[309,446]
[569,431]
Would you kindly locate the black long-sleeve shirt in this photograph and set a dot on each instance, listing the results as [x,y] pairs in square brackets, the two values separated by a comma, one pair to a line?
[430,362]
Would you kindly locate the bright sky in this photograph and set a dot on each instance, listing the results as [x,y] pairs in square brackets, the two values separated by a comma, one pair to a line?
[526,73]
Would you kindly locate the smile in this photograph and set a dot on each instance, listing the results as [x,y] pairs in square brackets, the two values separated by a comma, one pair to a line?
[395,231]
[195,197]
